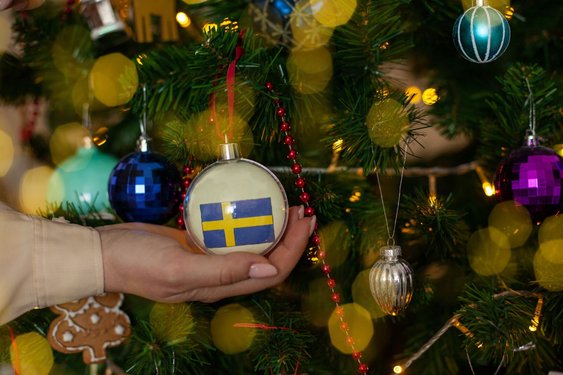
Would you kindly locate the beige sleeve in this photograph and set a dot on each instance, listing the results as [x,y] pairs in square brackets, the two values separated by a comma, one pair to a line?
[43,263]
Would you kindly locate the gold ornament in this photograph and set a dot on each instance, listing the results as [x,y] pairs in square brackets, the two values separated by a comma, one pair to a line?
[391,281]
[31,354]
[387,123]
[145,10]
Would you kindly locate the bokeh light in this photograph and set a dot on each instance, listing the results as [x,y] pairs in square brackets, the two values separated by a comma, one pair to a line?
[499,5]
[307,32]
[361,294]
[359,324]
[245,101]
[387,122]
[430,96]
[114,79]
[228,338]
[414,93]
[172,322]
[512,220]
[5,31]
[333,13]
[6,153]
[335,240]
[488,251]
[551,239]
[203,136]
[82,180]
[310,71]
[316,304]
[33,189]
[183,19]
[31,354]
[66,140]
[548,274]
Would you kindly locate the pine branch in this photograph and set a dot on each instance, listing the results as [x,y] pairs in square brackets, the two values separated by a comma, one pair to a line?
[442,229]
[506,131]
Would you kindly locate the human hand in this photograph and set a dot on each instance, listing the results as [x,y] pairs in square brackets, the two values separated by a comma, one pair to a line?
[160,263]
[20,4]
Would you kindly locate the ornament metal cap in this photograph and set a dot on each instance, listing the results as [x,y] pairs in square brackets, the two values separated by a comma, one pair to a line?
[390,251]
[229,151]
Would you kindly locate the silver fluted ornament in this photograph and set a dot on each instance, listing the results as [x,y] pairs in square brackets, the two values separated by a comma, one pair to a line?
[390,281]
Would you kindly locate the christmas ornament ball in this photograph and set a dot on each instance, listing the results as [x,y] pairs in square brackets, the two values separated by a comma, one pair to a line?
[391,281]
[533,177]
[481,34]
[143,187]
[82,180]
[235,205]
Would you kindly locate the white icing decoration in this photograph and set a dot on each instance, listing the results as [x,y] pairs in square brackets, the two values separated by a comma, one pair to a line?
[95,318]
[119,329]
[67,336]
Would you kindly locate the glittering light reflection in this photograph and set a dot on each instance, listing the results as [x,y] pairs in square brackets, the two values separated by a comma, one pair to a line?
[551,239]
[310,71]
[183,19]
[333,13]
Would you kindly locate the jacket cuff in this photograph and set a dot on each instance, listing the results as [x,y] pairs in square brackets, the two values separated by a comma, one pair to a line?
[67,262]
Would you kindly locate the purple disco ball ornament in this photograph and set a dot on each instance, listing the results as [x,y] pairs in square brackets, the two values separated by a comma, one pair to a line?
[533,177]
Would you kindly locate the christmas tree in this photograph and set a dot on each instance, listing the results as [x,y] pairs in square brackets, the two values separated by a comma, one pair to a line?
[426,137]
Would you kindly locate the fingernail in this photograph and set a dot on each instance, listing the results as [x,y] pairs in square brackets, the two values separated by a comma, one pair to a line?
[312,225]
[262,270]
[301,212]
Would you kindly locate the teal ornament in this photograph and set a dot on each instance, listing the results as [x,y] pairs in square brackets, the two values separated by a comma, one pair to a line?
[481,34]
[83,180]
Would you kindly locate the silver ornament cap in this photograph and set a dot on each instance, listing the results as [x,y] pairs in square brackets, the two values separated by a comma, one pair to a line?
[391,281]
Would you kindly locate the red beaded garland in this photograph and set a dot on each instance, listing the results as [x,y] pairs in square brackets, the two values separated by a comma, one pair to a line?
[288,140]
[335,297]
[285,126]
[186,182]
[296,168]
[304,197]
[309,211]
[180,221]
[363,368]
[316,239]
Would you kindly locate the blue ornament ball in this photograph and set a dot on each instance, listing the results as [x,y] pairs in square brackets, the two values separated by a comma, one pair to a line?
[143,187]
[481,34]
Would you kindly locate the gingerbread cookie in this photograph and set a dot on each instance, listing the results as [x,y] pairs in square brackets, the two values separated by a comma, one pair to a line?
[89,325]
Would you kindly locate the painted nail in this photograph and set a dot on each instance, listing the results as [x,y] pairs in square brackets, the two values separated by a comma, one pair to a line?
[301,212]
[312,224]
[262,270]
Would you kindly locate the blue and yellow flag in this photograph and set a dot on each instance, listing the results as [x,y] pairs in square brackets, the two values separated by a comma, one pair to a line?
[237,223]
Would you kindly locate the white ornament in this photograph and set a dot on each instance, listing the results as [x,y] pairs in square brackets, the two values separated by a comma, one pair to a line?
[235,205]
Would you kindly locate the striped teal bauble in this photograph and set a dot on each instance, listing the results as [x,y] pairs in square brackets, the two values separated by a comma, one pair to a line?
[481,34]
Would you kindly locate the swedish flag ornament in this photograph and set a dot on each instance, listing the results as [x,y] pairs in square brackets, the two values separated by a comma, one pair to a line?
[235,205]
[481,34]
